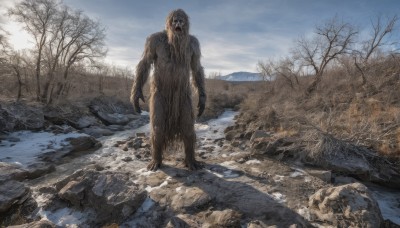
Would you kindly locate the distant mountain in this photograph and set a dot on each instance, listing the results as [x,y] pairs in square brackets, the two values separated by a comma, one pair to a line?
[242,77]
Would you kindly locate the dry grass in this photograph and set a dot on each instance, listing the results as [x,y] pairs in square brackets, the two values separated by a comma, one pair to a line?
[364,115]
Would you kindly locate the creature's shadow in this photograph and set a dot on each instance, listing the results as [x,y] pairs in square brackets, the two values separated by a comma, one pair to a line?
[219,183]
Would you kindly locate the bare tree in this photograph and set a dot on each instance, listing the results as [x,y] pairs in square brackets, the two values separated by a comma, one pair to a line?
[285,68]
[377,39]
[74,37]
[265,69]
[214,75]
[331,40]
[37,17]
[88,44]
[18,64]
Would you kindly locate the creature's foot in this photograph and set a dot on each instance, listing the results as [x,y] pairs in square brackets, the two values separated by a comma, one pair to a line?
[153,165]
[193,165]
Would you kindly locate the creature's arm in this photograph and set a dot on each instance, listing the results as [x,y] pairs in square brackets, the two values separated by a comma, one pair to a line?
[198,75]
[142,73]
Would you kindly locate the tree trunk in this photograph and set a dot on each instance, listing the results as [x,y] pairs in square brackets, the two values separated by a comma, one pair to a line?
[18,74]
[313,86]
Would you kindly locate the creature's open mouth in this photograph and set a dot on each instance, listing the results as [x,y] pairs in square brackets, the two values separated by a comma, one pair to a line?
[178,29]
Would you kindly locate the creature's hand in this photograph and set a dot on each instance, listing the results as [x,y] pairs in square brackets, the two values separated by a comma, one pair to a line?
[201,105]
[138,95]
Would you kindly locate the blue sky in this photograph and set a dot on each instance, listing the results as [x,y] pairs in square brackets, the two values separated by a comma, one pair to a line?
[234,35]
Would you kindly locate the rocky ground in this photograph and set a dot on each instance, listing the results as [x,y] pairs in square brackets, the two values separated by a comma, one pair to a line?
[248,180]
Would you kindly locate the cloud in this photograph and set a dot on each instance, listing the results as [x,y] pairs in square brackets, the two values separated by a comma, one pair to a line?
[234,35]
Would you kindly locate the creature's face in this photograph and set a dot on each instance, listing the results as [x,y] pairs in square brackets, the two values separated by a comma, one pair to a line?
[178,23]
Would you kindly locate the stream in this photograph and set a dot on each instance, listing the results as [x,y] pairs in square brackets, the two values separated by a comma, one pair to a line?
[29,145]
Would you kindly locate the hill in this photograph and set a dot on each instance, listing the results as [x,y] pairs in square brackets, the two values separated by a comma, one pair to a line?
[242,76]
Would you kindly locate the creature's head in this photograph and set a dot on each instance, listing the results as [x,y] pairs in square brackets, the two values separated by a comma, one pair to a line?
[177,26]
[177,22]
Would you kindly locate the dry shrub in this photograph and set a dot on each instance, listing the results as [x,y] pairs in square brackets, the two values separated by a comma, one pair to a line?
[366,115]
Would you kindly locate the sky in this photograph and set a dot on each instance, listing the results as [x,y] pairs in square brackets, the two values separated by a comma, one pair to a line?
[234,34]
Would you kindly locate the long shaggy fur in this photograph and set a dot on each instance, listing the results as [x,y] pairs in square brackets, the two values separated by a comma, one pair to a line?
[173,55]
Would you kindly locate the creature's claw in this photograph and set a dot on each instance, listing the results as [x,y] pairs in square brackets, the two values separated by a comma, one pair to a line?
[153,165]
[201,105]
[138,95]
[194,165]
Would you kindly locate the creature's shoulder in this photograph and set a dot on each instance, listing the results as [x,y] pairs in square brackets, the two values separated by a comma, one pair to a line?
[194,44]
[157,38]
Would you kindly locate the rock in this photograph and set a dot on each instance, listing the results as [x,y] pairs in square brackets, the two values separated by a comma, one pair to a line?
[12,192]
[230,135]
[225,218]
[341,180]
[97,132]
[141,134]
[44,223]
[350,205]
[126,159]
[259,134]
[258,224]
[182,221]
[83,143]
[6,120]
[132,117]
[115,127]
[11,172]
[111,111]
[189,199]
[20,116]
[111,195]
[261,145]
[324,175]
[84,122]
[337,155]
[112,118]
[39,169]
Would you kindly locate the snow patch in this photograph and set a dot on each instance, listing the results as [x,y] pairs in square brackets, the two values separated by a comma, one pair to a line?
[149,188]
[278,178]
[252,162]
[145,172]
[65,217]
[279,197]
[26,151]
[229,164]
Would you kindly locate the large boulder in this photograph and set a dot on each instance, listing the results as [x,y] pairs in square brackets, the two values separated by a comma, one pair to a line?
[20,116]
[83,143]
[12,192]
[11,172]
[16,203]
[350,205]
[189,199]
[225,218]
[345,157]
[113,196]
[111,111]
[6,120]
[76,115]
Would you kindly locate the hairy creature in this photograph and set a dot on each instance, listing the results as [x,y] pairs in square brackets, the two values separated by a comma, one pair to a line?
[175,55]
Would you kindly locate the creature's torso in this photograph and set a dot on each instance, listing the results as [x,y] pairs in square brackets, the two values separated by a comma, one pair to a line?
[170,74]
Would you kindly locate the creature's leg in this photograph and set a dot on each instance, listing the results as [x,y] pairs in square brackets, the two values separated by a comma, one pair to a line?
[157,146]
[157,115]
[189,138]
